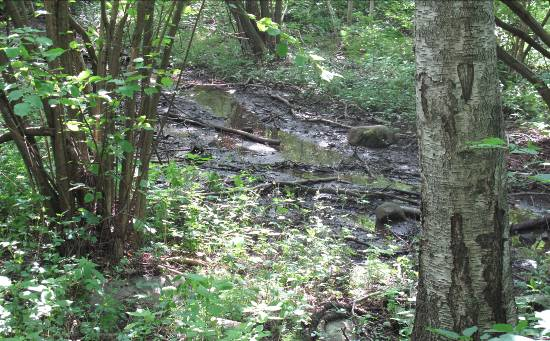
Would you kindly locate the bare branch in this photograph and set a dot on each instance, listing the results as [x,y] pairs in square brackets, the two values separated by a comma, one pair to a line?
[523,35]
[528,19]
[525,72]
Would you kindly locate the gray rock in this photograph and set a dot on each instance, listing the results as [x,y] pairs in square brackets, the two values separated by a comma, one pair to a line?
[376,136]
[334,331]
[389,212]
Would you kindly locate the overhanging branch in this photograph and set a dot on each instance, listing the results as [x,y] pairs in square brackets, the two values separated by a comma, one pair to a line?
[528,19]
[526,73]
[523,35]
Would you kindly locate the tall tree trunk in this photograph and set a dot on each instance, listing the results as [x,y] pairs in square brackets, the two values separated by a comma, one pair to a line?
[465,273]
[249,29]
[371,8]
[349,16]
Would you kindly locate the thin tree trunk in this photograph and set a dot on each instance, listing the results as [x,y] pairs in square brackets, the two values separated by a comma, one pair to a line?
[465,271]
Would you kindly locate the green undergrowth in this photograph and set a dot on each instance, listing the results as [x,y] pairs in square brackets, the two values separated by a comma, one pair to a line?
[266,264]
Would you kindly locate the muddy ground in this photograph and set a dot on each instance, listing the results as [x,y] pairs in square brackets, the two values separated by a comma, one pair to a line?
[312,147]
[312,133]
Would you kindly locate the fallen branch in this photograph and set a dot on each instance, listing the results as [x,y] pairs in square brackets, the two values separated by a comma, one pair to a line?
[187,261]
[177,272]
[295,183]
[282,99]
[324,120]
[249,136]
[354,193]
[357,241]
[530,225]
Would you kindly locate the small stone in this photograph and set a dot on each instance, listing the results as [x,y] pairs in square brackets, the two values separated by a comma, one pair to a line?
[376,136]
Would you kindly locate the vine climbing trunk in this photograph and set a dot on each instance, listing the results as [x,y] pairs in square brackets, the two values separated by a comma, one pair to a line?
[465,273]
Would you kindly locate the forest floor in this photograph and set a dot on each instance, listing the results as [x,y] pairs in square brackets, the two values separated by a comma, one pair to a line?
[310,177]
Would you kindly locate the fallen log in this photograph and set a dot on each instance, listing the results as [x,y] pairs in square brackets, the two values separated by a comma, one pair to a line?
[541,223]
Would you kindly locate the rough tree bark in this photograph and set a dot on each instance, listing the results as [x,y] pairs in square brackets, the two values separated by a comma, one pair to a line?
[465,277]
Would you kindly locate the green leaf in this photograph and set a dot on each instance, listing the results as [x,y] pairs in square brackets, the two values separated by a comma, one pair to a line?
[150,91]
[531,149]
[51,54]
[544,178]
[35,101]
[315,57]
[22,109]
[73,125]
[469,331]
[83,75]
[15,95]
[282,49]
[166,81]
[88,197]
[502,328]
[126,146]
[73,44]
[272,31]
[487,143]
[300,60]
[43,41]
[128,90]
[263,24]
[447,333]
[12,52]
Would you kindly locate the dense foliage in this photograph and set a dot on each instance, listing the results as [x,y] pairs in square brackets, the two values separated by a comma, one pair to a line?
[206,255]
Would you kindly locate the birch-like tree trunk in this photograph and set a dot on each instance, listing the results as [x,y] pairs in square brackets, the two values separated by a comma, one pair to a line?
[465,277]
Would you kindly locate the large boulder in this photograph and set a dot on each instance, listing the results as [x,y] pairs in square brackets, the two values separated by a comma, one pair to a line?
[376,136]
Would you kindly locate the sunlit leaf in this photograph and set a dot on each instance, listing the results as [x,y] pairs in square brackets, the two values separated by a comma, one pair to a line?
[487,143]
[88,198]
[22,109]
[282,49]
[73,125]
[544,178]
[52,54]
[300,60]
[83,75]
[166,81]
[12,52]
